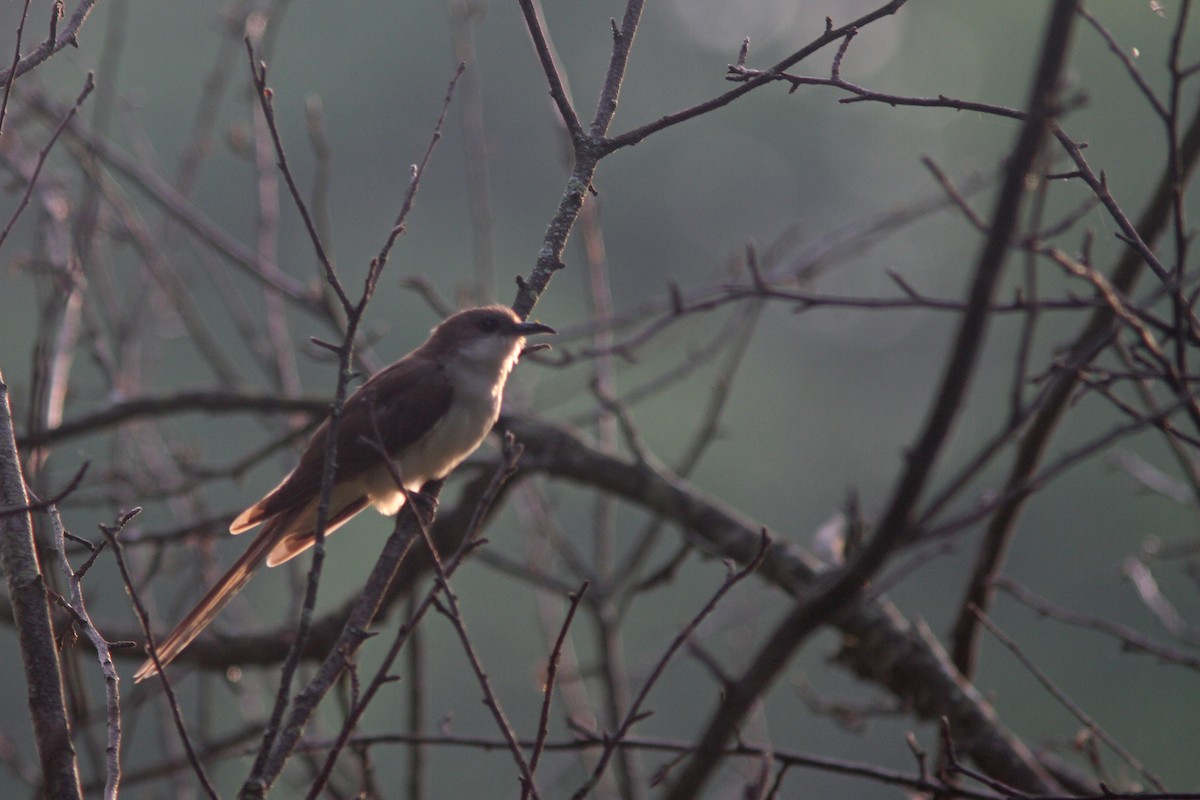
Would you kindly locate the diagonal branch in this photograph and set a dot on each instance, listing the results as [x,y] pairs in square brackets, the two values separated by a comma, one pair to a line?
[57,40]
[88,86]
[895,527]
[558,91]
[879,644]
[1033,445]
[827,38]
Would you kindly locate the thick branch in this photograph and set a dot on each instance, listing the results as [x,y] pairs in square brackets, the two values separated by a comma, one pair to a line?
[1033,444]
[879,644]
[26,590]
[895,526]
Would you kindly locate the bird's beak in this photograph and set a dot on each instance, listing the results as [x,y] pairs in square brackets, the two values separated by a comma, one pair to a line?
[529,328]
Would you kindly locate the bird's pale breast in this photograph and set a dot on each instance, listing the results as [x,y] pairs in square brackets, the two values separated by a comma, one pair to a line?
[459,433]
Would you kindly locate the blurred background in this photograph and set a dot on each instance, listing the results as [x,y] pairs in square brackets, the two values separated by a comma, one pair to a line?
[823,403]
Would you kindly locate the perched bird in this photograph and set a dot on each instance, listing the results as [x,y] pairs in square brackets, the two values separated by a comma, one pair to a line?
[428,411]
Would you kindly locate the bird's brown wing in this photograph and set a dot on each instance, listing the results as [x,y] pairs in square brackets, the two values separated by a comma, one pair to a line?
[398,405]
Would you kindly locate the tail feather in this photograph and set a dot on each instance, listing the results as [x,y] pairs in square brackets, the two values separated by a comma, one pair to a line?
[248,518]
[252,515]
[285,535]
[301,533]
[216,599]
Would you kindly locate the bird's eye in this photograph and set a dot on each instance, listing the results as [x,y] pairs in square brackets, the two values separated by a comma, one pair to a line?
[489,324]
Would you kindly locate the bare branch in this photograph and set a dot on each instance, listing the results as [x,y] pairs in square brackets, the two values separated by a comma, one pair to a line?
[57,40]
[1070,705]
[88,86]
[111,532]
[26,589]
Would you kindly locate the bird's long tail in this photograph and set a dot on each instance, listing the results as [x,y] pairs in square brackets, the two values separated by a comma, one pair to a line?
[216,599]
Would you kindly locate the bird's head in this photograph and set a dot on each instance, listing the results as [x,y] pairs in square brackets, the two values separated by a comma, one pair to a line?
[486,337]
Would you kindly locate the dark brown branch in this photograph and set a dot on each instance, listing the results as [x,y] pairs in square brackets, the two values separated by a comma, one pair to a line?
[878,643]
[895,527]
[1037,438]
[827,38]
[536,26]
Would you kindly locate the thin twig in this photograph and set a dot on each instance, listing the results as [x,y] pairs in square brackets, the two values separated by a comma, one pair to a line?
[1134,73]
[42,505]
[512,454]
[112,696]
[271,756]
[12,70]
[1068,703]
[111,532]
[558,92]
[265,95]
[634,713]
[88,85]
[827,38]
[450,609]
[543,730]
[1131,639]
[58,39]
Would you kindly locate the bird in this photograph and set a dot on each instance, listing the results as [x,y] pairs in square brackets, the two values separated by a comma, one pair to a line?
[427,412]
